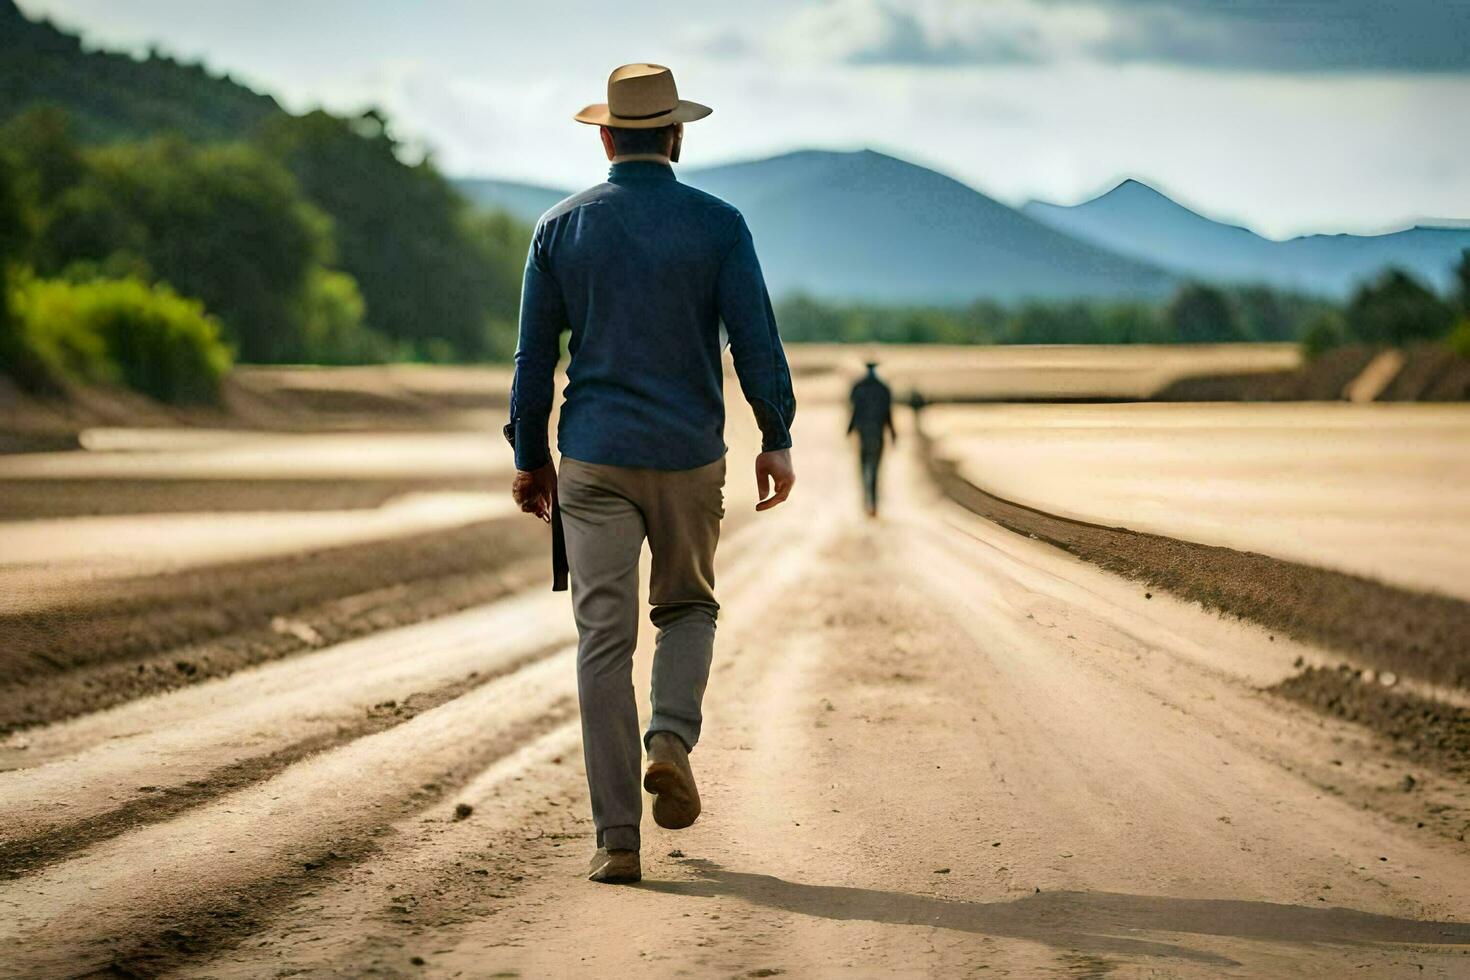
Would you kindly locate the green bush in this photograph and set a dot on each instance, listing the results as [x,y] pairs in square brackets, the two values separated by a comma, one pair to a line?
[1325,332]
[1397,309]
[1459,338]
[1201,314]
[334,332]
[123,331]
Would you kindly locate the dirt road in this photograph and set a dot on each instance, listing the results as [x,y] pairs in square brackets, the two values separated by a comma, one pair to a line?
[933,748]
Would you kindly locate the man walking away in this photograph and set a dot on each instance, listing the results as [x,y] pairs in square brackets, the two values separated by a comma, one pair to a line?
[642,270]
[872,416]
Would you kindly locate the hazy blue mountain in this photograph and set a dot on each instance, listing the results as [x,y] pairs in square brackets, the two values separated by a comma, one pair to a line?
[865,226]
[526,201]
[868,226]
[1137,220]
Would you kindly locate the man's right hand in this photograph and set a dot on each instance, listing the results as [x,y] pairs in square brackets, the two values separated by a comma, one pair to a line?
[774,466]
[534,490]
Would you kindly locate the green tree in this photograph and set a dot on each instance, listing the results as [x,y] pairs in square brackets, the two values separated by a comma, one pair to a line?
[1264,314]
[501,243]
[807,320]
[1462,283]
[1396,309]
[1322,334]
[45,157]
[1133,323]
[334,332]
[1200,314]
[15,359]
[222,223]
[402,230]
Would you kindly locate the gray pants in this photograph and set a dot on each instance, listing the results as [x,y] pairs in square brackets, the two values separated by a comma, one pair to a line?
[607,512]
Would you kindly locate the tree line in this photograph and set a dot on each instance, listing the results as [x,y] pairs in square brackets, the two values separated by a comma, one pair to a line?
[1394,309]
[310,239]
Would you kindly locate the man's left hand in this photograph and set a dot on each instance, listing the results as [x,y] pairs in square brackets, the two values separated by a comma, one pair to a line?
[534,490]
[774,467]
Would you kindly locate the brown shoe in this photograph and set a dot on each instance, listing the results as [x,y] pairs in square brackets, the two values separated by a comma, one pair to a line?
[671,781]
[615,867]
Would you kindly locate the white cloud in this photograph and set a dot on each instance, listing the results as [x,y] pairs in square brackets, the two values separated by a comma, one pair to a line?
[491,87]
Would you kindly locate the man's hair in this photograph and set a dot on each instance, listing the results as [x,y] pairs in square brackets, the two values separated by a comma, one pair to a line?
[629,141]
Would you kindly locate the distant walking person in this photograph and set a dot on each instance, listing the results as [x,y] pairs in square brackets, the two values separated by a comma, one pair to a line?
[872,418]
[642,270]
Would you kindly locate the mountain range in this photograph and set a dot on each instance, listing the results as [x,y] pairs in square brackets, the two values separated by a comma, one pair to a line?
[843,226]
[1135,219]
[867,226]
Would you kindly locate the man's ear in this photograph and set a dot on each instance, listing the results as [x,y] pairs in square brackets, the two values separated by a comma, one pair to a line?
[607,142]
[678,143]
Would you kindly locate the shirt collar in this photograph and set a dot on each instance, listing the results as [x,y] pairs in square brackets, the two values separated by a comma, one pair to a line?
[640,169]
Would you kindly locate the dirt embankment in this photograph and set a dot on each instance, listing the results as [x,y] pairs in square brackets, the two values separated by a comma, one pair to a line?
[110,642]
[284,399]
[1389,632]
[1429,373]
[26,499]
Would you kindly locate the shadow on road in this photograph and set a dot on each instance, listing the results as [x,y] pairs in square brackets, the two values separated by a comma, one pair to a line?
[1094,922]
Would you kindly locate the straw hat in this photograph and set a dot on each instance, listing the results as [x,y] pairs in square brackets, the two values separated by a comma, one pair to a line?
[642,97]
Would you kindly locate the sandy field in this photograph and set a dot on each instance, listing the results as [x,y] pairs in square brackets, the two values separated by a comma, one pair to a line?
[1378,490]
[936,744]
[1061,371]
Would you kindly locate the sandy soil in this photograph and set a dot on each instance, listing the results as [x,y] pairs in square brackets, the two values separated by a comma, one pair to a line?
[1057,372]
[934,747]
[1368,489]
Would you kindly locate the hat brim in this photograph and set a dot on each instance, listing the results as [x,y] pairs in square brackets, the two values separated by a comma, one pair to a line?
[685,111]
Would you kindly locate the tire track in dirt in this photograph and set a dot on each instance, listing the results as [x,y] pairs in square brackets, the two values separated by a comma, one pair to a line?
[397,914]
[124,640]
[43,499]
[1394,632]
[1416,634]
[402,912]
[30,853]
[137,903]
[225,921]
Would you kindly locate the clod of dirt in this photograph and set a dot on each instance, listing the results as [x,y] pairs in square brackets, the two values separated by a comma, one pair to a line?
[462,811]
[417,960]
[676,854]
[1148,595]
[1423,731]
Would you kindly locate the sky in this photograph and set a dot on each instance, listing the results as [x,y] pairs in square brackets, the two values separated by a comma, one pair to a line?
[1289,116]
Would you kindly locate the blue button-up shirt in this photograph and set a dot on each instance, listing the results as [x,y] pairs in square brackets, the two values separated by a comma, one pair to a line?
[641,270]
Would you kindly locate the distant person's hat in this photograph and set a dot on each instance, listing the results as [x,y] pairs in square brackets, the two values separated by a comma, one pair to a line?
[642,97]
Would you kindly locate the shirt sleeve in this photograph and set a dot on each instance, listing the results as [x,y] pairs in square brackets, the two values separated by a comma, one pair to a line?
[760,363]
[543,318]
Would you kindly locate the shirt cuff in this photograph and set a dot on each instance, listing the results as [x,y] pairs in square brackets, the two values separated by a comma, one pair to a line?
[775,431]
[529,440]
